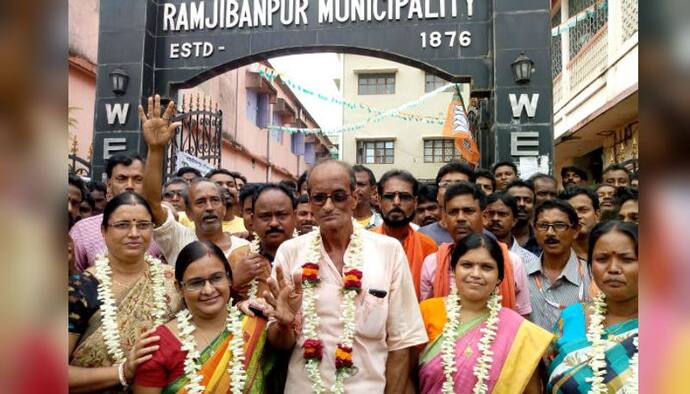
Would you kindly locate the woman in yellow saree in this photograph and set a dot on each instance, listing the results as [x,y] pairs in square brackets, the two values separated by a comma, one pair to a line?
[210,347]
[475,344]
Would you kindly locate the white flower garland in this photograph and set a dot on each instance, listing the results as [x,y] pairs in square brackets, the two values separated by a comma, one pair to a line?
[483,366]
[111,334]
[353,261]
[238,377]
[597,361]
[254,248]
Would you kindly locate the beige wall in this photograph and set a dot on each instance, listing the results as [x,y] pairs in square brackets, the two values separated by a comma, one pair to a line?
[409,143]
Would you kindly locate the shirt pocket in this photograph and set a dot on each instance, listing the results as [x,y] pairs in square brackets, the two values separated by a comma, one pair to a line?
[371,317]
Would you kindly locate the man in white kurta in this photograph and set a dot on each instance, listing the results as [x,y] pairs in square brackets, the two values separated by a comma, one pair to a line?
[383,324]
[387,317]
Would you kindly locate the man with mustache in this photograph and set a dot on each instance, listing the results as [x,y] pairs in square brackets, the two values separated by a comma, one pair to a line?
[447,175]
[573,176]
[560,278]
[524,195]
[398,190]
[464,203]
[304,218]
[586,204]
[607,201]
[226,180]
[616,175]
[273,218]
[428,211]
[204,201]
[499,218]
[364,213]
[545,187]
[386,321]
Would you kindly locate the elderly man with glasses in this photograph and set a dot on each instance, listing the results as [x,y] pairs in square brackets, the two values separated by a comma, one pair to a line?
[343,291]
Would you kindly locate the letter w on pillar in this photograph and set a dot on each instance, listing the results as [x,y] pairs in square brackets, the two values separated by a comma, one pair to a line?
[524,103]
[116,112]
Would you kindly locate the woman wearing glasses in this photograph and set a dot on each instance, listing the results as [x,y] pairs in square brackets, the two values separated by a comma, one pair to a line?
[210,346]
[125,293]
[596,344]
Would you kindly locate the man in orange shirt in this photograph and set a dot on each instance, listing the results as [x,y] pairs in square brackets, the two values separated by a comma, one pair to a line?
[398,190]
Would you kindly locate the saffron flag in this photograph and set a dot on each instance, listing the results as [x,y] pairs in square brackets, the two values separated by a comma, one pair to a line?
[457,127]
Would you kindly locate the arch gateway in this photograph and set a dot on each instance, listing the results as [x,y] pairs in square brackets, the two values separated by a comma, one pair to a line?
[165,45]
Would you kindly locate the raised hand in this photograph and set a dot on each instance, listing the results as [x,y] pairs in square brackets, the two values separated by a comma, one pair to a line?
[285,299]
[158,131]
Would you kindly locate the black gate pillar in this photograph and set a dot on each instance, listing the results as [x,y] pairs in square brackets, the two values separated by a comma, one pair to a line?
[126,46]
[523,114]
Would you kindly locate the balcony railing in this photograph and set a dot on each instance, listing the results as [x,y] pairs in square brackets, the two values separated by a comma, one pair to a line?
[588,43]
[629,18]
[590,61]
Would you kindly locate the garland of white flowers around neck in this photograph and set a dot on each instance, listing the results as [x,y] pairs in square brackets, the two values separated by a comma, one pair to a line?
[254,248]
[352,286]
[597,361]
[111,334]
[483,366]
[233,325]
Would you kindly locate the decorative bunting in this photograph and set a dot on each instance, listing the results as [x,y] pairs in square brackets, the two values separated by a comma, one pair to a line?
[271,74]
[374,119]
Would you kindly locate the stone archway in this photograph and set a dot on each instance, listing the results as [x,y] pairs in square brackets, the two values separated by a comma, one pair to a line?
[164,45]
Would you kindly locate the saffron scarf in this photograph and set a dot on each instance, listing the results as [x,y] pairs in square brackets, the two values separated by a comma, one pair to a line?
[442,277]
[517,350]
[417,246]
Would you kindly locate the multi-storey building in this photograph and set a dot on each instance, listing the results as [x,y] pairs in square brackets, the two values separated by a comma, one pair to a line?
[595,50]
[392,142]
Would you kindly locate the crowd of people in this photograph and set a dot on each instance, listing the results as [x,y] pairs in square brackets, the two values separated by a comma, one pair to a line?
[481,282]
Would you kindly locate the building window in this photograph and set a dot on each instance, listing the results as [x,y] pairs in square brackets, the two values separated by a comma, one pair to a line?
[433,82]
[376,84]
[440,151]
[375,152]
[257,108]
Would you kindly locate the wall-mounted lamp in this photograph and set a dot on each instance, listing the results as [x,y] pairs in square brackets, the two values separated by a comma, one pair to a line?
[119,79]
[523,67]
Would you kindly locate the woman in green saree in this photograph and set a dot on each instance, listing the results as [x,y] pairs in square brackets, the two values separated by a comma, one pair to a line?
[596,345]
[210,347]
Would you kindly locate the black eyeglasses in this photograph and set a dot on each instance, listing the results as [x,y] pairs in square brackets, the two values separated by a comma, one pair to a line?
[196,284]
[558,226]
[338,196]
[405,197]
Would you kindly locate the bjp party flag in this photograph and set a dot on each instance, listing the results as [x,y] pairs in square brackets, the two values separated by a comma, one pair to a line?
[457,127]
